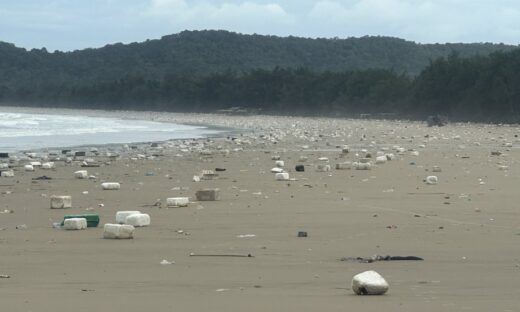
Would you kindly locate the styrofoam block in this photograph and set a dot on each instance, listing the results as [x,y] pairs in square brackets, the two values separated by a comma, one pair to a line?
[380,153]
[138,219]
[344,166]
[363,166]
[369,283]
[111,186]
[28,167]
[208,194]
[414,153]
[281,176]
[4,166]
[61,202]
[390,156]
[280,163]
[323,159]
[35,163]
[75,224]
[323,168]
[177,201]
[48,165]
[276,170]
[436,169]
[275,157]
[208,175]
[7,173]
[81,174]
[381,159]
[118,231]
[121,215]
[432,180]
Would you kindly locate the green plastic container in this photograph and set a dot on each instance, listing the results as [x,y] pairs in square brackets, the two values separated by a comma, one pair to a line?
[92,219]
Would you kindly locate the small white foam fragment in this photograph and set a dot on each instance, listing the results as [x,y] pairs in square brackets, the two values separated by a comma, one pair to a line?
[503,168]
[281,176]
[61,202]
[277,170]
[7,174]
[35,163]
[323,168]
[177,201]
[381,159]
[138,219]
[280,163]
[196,179]
[275,157]
[414,153]
[436,169]
[166,262]
[81,174]
[432,180]
[28,167]
[48,165]
[323,159]
[369,283]
[75,224]
[118,231]
[110,186]
[344,165]
[121,215]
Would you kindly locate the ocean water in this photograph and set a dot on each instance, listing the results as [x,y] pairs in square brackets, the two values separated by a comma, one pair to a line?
[21,131]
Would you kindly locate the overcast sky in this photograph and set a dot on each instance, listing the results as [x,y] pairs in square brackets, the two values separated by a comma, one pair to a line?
[77,24]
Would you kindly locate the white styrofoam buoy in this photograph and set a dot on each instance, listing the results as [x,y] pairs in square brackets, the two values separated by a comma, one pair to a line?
[381,159]
[75,224]
[432,180]
[48,165]
[81,174]
[138,219]
[177,201]
[276,170]
[118,231]
[61,202]
[110,186]
[281,176]
[121,215]
[7,174]
[369,283]
[208,194]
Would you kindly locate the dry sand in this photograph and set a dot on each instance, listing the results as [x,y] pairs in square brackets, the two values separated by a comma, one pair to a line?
[466,227]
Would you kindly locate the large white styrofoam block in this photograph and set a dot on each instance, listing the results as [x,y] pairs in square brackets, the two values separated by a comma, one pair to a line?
[323,168]
[208,194]
[138,219]
[121,215]
[432,180]
[111,186]
[369,283]
[177,201]
[28,167]
[7,173]
[61,202]
[75,224]
[281,176]
[118,231]
[81,174]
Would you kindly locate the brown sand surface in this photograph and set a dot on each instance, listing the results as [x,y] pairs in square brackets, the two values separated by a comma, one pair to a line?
[466,227]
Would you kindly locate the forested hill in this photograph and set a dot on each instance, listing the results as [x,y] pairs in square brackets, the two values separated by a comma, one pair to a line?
[205,52]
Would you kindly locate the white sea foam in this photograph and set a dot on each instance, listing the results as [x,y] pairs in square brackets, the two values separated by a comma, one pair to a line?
[20,131]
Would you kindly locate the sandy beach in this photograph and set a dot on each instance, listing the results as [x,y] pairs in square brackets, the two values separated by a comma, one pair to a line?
[466,227]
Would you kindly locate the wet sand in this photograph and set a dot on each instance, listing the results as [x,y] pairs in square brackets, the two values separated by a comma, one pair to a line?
[466,227]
